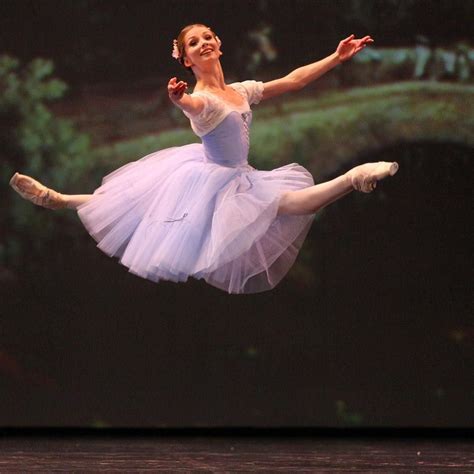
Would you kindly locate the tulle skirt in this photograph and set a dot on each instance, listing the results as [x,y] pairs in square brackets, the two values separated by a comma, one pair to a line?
[173,214]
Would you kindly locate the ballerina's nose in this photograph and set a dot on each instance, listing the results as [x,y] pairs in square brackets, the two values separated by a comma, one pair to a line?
[205,46]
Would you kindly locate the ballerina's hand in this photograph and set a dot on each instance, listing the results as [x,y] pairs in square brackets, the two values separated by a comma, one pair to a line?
[350,46]
[176,89]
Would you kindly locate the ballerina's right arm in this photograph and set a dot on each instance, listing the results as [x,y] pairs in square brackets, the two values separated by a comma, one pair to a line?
[176,93]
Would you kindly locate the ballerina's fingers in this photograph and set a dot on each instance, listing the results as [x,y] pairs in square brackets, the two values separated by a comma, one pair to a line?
[362,43]
[348,39]
[174,83]
[180,87]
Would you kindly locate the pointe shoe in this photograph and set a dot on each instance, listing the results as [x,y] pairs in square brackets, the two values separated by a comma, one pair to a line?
[364,177]
[32,190]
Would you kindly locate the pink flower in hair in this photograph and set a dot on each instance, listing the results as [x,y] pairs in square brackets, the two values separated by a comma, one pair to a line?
[175,52]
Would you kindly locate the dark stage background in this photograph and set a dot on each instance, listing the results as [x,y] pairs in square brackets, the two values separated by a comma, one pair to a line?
[373,325]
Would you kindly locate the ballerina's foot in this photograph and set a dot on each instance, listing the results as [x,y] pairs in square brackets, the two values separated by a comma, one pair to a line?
[364,177]
[35,192]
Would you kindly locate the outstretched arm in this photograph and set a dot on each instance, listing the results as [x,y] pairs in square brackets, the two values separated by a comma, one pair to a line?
[302,76]
[176,93]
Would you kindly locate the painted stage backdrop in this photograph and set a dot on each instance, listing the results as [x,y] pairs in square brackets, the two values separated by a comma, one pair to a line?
[373,325]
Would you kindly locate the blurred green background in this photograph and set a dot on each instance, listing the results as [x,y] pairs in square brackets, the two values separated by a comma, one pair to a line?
[372,326]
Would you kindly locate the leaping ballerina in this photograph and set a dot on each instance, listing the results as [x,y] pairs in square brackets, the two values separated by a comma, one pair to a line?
[201,210]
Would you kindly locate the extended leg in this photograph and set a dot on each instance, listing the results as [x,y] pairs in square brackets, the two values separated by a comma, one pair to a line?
[73,201]
[32,190]
[310,200]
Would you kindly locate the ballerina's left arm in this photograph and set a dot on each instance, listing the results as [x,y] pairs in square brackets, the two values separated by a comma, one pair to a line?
[302,76]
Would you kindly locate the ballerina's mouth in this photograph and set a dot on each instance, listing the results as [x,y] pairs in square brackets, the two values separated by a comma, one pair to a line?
[206,51]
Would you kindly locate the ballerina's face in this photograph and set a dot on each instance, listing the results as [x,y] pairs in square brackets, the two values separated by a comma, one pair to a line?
[201,47]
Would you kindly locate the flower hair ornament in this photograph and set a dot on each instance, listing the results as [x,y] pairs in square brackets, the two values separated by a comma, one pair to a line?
[176,54]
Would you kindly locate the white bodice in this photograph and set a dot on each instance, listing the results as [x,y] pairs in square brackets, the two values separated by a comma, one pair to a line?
[223,127]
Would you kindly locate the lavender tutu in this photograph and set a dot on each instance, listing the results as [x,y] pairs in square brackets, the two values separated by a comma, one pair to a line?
[201,210]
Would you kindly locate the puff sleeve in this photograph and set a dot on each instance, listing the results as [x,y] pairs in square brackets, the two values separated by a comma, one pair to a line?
[253,90]
[211,115]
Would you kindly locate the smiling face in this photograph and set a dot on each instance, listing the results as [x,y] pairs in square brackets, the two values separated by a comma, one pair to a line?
[201,46]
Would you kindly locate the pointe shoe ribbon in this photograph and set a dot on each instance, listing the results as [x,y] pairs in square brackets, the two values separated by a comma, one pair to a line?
[364,177]
[35,192]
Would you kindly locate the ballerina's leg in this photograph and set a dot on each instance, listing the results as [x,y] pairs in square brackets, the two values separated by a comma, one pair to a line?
[37,193]
[312,199]
[73,201]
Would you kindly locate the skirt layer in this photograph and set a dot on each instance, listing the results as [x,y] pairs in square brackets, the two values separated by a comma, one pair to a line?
[173,214]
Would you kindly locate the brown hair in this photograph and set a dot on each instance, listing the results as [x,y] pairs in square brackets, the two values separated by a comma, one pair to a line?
[180,41]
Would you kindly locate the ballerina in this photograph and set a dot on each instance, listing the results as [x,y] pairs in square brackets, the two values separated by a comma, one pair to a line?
[202,210]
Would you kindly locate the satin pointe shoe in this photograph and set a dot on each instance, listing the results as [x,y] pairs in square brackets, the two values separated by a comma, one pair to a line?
[35,192]
[364,177]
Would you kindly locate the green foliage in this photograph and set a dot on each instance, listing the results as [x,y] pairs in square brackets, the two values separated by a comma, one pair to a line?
[374,65]
[325,133]
[112,156]
[35,142]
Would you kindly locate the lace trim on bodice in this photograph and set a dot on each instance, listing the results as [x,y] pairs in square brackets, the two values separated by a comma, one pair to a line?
[216,109]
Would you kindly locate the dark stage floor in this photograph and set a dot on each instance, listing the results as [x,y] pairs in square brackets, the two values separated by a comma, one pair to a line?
[71,453]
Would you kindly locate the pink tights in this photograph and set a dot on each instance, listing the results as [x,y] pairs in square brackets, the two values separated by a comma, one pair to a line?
[73,201]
